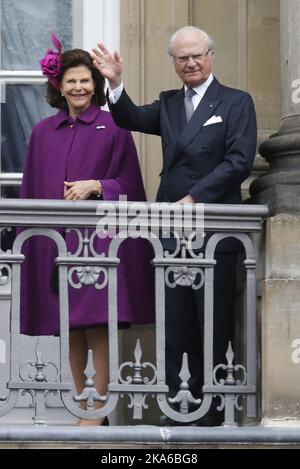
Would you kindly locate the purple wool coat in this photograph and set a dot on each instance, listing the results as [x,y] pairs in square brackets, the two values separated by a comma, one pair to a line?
[92,147]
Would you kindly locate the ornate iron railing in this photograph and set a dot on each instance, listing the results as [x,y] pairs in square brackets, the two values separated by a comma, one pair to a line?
[187,267]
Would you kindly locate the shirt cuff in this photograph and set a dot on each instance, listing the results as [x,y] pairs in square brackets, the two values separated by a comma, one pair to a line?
[114,95]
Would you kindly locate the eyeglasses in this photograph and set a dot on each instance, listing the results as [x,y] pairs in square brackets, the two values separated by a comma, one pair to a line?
[184,59]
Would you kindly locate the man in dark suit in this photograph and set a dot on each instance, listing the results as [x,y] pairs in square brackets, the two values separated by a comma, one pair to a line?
[208,134]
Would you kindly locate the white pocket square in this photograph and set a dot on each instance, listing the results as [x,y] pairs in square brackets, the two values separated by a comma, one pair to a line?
[213,120]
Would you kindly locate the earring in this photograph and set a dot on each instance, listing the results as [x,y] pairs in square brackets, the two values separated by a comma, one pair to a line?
[62,95]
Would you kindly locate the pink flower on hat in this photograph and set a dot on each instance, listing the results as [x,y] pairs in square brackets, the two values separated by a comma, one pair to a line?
[50,63]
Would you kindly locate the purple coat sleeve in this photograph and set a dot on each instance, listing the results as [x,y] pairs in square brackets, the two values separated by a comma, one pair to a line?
[126,178]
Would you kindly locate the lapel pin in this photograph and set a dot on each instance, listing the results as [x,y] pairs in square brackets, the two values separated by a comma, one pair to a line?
[211,105]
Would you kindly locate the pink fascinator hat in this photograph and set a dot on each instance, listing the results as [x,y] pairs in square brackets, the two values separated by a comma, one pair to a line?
[50,63]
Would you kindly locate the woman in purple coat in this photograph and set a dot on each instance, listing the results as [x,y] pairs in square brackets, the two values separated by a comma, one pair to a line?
[80,154]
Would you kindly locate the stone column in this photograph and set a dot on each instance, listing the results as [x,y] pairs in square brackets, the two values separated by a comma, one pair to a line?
[280,322]
[280,186]
[280,258]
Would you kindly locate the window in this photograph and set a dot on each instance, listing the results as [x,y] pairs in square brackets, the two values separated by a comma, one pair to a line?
[25,30]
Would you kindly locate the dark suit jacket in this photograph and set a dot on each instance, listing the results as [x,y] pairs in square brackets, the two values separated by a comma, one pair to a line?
[210,161]
[207,161]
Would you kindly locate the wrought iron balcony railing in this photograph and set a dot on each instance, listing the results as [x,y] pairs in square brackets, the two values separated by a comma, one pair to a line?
[185,267]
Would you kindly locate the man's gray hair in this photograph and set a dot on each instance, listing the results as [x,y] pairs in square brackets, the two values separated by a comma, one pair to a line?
[191,29]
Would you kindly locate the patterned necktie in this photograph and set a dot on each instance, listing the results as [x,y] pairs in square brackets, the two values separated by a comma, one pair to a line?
[188,103]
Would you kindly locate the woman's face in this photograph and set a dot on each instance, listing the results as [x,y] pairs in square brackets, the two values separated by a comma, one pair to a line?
[77,86]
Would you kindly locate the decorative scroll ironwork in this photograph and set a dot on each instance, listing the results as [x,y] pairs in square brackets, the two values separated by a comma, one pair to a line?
[229,401]
[137,368]
[5,274]
[184,397]
[137,403]
[137,399]
[37,369]
[38,402]
[31,393]
[86,240]
[90,393]
[186,246]
[229,368]
[88,275]
[185,276]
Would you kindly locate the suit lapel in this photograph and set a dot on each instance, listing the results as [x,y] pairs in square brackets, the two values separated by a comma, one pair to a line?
[204,111]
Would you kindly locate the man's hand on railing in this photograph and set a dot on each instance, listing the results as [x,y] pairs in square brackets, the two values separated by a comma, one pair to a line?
[188,199]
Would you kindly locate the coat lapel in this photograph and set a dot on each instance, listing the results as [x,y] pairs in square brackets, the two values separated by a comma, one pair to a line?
[204,111]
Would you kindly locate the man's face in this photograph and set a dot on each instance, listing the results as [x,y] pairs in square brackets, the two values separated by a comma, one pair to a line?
[192,58]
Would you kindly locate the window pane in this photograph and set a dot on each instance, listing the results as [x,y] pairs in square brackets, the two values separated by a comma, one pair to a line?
[24,106]
[26,27]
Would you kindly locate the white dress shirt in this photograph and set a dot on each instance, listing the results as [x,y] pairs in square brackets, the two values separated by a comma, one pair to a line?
[200,91]
[114,95]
